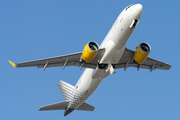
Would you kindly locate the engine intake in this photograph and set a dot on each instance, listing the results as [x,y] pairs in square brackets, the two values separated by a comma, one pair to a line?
[142,52]
[89,52]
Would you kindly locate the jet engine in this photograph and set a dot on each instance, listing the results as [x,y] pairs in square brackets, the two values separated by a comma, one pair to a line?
[142,52]
[90,51]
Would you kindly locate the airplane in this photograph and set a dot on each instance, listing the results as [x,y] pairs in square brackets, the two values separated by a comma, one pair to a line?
[99,61]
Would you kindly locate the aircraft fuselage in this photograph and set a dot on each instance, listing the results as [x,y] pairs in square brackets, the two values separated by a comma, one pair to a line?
[114,44]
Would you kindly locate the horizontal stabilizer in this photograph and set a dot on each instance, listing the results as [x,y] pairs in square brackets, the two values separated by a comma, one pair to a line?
[86,107]
[56,106]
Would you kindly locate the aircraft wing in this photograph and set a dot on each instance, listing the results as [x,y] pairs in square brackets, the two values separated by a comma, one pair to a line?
[62,61]
[149,63]
[74,60]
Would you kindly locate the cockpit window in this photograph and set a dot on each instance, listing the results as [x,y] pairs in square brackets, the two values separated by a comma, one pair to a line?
[128,7]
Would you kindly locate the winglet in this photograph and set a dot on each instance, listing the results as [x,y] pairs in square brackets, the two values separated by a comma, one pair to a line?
[13,64]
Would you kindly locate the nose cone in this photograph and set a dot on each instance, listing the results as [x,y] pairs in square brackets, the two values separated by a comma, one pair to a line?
[139,6]
[139,9]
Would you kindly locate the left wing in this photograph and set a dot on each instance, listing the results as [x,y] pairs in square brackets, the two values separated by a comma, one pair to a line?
[62,61]
[149,63]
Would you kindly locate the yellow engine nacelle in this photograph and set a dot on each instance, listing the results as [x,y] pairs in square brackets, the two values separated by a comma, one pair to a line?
[142,52]
[90,51]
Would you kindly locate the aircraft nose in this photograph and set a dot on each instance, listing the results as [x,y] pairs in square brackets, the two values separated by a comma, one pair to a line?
[139,9]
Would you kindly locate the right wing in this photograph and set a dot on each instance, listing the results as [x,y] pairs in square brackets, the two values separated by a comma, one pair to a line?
[62,61]
[149,63]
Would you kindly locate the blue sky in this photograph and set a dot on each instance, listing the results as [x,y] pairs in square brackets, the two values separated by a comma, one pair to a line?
[37,29]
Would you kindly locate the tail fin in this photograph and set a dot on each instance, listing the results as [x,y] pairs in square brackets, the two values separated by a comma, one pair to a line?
[66,89]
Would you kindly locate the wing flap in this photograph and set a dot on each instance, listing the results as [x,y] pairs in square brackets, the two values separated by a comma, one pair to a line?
[78,64]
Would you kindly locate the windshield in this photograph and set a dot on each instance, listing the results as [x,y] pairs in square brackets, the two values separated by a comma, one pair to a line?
[128,7]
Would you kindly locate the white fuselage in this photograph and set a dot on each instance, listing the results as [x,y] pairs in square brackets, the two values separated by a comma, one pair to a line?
[114,44]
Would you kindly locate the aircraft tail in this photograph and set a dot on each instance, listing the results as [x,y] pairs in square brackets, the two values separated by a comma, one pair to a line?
[66,89]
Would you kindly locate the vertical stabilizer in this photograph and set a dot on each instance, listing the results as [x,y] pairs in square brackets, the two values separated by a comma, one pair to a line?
[66,89]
